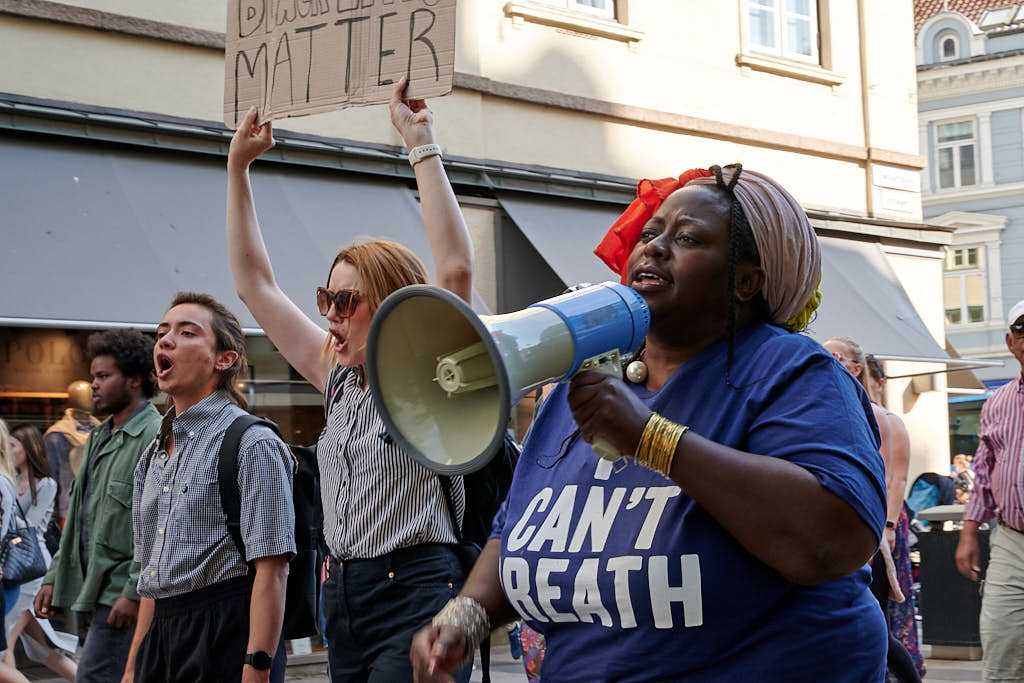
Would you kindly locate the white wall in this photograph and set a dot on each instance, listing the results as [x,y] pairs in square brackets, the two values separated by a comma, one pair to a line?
[685,64]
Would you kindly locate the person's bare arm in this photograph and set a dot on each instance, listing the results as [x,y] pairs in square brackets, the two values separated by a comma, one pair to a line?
[897,465]
[145,620]
[266,611]
[815,537]
[297,337]
[442,218]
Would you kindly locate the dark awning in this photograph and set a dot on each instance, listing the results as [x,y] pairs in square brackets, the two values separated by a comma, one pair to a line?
[98,235]
[564,232]
[863,299]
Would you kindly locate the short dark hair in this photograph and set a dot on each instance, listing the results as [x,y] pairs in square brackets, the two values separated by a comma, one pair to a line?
[229,336]
[132,352]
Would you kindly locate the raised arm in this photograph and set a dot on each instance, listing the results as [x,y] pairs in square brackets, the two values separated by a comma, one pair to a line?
[442,218]
[297,337]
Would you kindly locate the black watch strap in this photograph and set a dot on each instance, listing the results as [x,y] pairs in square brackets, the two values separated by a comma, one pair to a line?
[259,660]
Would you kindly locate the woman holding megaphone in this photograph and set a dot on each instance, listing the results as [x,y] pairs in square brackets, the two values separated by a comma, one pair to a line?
[731,544]
[386,523]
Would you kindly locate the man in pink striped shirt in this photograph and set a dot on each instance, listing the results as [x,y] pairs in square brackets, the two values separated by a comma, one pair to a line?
[998,497]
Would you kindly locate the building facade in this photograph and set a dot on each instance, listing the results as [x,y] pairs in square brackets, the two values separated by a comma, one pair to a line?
[109,122]
[970,74]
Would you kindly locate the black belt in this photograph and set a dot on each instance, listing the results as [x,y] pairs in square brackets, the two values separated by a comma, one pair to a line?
[393,559]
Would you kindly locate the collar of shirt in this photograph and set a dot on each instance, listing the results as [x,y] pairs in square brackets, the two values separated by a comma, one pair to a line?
[129,427]
[186,424]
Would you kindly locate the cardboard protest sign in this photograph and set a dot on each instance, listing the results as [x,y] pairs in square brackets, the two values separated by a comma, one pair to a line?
[298,57]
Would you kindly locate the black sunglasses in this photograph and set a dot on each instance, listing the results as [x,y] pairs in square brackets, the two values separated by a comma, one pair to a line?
[344,301]
[1017,328]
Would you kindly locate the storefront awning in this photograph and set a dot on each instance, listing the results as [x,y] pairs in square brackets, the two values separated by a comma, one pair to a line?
[564,232]
[862,298]
[101,235]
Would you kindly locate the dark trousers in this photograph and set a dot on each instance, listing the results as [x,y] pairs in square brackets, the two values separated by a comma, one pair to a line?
[375,606]
[201,636]
[898,660]
[105,650]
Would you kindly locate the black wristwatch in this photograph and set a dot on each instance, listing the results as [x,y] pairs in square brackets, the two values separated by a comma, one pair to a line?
[259,660]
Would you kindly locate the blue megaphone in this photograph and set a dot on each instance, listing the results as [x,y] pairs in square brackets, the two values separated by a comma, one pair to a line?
[445,380]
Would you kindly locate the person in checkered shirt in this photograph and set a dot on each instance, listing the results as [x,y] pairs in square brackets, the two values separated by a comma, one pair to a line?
[204,614]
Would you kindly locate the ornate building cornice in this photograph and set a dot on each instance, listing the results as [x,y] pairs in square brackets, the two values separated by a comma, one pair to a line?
[971,78]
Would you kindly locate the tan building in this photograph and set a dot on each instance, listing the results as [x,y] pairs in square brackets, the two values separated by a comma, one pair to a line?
[113,185]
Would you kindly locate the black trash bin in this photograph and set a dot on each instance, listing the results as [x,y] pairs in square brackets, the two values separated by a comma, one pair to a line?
[949,603]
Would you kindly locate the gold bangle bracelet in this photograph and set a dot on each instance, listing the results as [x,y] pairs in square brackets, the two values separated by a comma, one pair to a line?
[657,448]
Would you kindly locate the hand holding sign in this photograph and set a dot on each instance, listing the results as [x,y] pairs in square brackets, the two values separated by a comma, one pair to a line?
[249,141]
[412,118]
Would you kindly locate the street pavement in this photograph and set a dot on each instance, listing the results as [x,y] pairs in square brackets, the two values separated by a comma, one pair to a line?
[504,669]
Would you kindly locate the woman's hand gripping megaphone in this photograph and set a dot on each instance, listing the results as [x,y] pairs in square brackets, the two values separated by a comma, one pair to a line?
[609,415]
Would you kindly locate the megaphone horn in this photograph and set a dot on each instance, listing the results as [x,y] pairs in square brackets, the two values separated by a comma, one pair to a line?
[444,379]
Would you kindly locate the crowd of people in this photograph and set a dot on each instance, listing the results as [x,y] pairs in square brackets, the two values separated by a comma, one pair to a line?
[737,543]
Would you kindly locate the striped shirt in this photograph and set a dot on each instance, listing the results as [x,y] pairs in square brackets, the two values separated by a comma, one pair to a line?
[999,462]
[376,499]
[181,536]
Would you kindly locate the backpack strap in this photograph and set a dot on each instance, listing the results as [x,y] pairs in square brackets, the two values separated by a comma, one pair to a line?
[227,475]
[485,644]
[449,504]
[485,660]
[333,393]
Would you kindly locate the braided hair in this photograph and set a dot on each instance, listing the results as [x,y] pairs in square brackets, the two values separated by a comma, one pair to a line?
[742,248]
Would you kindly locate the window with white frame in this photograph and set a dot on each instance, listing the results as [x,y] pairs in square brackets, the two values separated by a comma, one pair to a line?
[786,28]
[949,47]
[955,154]
[599,8]
[965,290]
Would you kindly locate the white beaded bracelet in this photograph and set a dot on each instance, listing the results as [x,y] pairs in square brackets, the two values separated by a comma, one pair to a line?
[418,154]
[469,616]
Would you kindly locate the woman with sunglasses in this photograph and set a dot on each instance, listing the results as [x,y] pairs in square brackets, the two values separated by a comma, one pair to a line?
[386,522]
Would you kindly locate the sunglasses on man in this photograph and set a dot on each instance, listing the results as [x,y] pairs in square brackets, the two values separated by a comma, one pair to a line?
[344,301]
[1018,328]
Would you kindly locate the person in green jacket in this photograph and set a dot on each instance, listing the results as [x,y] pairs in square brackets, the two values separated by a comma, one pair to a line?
[89,573]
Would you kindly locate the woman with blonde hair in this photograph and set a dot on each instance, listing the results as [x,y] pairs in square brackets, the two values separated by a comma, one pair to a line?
[895,449]
[386,521]
[8,494]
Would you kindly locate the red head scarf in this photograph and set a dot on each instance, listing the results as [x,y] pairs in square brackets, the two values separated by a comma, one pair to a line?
[618,243]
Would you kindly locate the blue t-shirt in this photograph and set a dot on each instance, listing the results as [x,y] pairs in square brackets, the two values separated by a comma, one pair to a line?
[630,580]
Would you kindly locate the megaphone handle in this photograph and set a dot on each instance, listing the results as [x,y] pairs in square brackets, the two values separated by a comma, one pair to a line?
[604,449]
[609,363]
